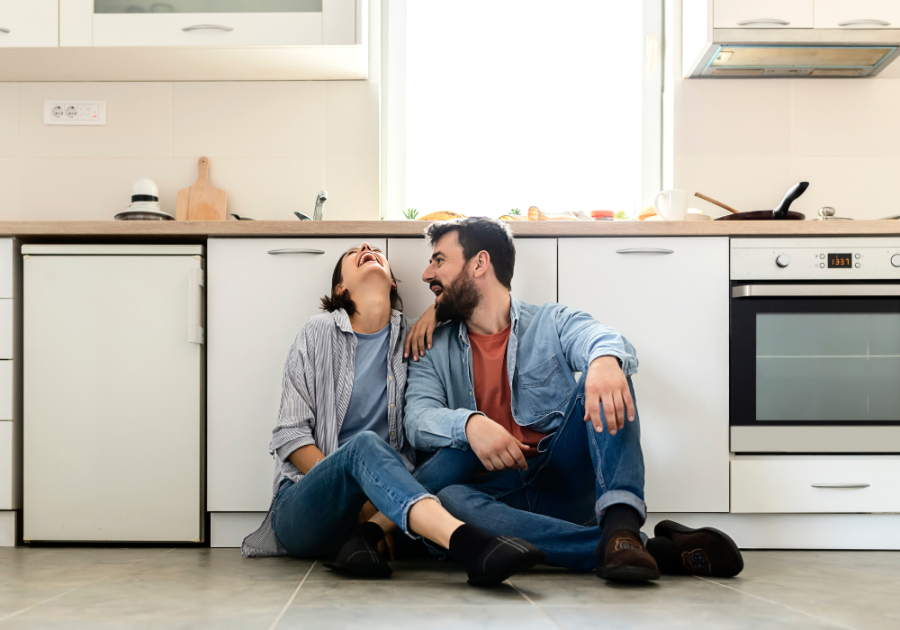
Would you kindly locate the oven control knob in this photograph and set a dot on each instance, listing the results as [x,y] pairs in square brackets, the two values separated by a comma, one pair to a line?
[783,260]
[895,260]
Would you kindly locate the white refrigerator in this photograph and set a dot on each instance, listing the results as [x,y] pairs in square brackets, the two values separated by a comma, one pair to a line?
[113,414]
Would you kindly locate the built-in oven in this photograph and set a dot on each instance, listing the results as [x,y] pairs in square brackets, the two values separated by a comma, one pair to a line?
[815,345]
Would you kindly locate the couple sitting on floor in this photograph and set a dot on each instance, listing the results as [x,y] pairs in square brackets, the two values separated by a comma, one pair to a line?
[519,462]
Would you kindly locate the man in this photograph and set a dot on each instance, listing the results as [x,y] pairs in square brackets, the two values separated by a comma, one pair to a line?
[522,446]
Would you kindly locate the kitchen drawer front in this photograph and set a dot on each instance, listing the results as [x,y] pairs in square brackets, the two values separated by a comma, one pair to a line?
[6,390]
[7,268]
[29,23]
[789,485]
[249,29]
[763,14]
[865,14]
[7,462]
[6,329]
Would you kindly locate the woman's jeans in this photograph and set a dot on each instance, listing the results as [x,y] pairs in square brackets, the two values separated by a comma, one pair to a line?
[555,504]
[310,516]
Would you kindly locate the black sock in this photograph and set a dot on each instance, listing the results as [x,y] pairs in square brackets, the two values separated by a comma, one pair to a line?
[466,545]
[663,551]
[617,518]
[369,531]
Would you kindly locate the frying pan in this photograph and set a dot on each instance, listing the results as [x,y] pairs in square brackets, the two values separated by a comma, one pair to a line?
[780,212]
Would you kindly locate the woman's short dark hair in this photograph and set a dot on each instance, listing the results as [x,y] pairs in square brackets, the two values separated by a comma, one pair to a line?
[477,234]
[342,300]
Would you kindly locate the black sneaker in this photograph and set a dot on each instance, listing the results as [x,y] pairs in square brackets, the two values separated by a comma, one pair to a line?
[502,559]
[701,551]
[358,557]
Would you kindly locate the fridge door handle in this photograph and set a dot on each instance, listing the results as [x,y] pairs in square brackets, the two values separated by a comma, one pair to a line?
[195,306]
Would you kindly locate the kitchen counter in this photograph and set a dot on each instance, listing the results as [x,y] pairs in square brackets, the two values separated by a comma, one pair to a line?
[198,230]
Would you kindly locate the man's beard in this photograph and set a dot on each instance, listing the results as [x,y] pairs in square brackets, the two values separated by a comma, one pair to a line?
[459,300]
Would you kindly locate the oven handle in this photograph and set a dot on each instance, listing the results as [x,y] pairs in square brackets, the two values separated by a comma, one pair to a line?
[815,290]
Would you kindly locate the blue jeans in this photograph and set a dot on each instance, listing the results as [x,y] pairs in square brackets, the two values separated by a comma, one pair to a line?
[555,504]
[310,516]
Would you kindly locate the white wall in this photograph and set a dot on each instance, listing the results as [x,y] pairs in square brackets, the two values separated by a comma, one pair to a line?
[746,141]
[272,145]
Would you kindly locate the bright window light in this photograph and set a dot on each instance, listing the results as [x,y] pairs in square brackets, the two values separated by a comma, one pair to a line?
[519,103]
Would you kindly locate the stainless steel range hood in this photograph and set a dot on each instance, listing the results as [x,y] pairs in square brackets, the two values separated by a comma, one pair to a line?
[795,53]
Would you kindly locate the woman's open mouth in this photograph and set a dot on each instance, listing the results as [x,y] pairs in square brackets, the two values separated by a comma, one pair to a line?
[368,257]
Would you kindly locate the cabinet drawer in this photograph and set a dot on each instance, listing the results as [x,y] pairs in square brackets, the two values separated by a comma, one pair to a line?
[865,14]
[6,466]
[6,329]
[763,14]
[818,485]
[29,23]
[247,29]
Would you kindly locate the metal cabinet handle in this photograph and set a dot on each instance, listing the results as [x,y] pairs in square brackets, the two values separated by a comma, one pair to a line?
[4,30]
[855,22]
[207,27]
[764,21]
[815,290]
[645,250]
[840,485]
[275,252]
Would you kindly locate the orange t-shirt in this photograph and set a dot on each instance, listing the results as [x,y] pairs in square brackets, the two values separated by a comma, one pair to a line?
[492,384]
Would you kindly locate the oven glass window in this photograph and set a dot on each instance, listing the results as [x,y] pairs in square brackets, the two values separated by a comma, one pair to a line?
[829,366]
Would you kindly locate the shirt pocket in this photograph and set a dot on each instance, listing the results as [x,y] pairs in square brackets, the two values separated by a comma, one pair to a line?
[545,387]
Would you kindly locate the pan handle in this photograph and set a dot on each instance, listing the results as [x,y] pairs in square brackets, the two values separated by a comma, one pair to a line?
[796,190]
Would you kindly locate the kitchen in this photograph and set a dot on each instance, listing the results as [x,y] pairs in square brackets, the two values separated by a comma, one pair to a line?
[277,133]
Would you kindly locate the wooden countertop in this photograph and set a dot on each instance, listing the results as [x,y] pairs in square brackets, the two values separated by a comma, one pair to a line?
[199,230]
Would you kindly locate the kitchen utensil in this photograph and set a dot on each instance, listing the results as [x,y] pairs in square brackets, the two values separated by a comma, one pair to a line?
[201,202]
[143,215]
[893,218]
[674,206]
[302,216]
[827,214]
[779,213]
[715,203]
[241,217]
[319,210]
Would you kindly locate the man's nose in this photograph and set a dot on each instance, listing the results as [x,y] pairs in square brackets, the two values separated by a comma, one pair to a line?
[428,274]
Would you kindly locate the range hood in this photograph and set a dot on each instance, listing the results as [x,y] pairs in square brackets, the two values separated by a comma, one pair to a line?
[793,53]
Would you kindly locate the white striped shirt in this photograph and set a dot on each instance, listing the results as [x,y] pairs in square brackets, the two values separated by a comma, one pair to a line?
[315,393]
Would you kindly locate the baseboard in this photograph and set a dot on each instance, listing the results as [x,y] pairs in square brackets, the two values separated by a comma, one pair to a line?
[797,531]
[228,529]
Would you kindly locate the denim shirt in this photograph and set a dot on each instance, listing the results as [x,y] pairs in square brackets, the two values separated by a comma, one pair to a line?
[547,345]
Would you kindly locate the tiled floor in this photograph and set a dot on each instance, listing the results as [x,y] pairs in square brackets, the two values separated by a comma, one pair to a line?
[214,588]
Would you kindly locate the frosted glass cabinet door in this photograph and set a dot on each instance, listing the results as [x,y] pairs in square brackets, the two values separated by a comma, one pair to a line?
[29,23]
[673,307]
[259,294]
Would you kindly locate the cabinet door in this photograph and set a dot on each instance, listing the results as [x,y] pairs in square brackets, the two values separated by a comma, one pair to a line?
[865,14]
[763,14]
[669,297]
[257,302]
[534,280]
[29,23]
[7,467]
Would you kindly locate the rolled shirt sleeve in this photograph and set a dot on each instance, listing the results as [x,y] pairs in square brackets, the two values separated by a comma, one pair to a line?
[296,415]
[584,339]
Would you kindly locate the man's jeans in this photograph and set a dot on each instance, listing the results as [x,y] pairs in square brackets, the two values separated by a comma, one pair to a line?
[310,516]
[556,503]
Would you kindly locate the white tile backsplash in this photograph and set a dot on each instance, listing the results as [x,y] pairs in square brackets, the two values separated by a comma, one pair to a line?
[138,121]
[10,190]
[856,187]
[351,119]
[9,120]
[352,185]
[744,182]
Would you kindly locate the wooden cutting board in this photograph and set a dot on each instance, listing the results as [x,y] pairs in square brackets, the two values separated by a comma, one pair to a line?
[201,202]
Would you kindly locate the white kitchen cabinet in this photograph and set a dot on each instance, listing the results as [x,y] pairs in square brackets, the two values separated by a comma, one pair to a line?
[763,13]
[534,279]
[8,465]
[10,418]
[858,14]
[669,297]
[29,23]
[260,292]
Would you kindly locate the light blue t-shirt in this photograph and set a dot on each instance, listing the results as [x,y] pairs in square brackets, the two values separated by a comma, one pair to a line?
[368,407]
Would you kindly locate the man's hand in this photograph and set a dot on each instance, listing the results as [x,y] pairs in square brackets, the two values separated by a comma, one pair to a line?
[494,446]
[420,335]
[605,384]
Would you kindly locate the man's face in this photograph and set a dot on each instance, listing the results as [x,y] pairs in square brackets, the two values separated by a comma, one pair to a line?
[449,278]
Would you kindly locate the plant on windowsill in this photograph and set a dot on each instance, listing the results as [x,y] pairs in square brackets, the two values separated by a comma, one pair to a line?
[515,212]
[411,214]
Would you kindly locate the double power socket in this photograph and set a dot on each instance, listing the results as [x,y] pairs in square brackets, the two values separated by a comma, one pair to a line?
[74,112]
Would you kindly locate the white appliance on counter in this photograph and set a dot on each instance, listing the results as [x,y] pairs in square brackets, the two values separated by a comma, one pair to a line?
[113,393]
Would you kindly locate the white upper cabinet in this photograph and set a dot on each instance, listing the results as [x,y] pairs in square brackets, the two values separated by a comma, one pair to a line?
[763,13]
[669,298]
[29,23]
[865,14]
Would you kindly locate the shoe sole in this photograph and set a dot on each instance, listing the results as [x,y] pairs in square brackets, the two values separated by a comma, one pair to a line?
[665,528]
[524,563]
[361,570]
[626,573]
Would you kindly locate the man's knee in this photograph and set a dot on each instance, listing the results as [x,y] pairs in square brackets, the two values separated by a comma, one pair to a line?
[367,441]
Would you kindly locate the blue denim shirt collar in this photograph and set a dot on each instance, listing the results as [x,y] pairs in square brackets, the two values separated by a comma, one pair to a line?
[513,317]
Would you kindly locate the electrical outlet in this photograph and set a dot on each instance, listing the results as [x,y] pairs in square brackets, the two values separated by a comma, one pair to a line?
[74,112]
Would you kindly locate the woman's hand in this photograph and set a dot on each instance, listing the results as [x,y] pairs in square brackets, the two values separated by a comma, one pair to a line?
[386,546]
[420,335]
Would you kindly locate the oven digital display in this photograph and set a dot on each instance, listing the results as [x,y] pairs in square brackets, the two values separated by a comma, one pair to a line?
[840,261]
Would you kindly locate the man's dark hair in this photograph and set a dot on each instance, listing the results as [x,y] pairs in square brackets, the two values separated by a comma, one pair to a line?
[477,234]
[342,300]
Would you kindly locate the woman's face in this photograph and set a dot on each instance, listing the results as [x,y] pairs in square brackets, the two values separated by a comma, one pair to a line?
[364,265]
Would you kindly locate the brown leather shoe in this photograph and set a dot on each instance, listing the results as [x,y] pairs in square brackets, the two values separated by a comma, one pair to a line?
[626,559]
[701,551]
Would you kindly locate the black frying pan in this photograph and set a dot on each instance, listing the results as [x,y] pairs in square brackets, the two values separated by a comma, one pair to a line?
[780,212]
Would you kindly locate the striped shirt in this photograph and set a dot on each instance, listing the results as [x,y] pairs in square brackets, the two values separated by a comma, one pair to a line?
[314,401]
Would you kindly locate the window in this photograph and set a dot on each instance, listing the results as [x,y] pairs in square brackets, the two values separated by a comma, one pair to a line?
[492,105]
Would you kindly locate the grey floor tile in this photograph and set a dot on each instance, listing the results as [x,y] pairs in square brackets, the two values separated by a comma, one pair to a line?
[401,593]
[404,570]
[438,616]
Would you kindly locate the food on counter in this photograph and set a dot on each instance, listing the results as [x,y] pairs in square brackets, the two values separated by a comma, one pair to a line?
[602,215]
[442,215]
[646,213]
[536,214]
[513,217]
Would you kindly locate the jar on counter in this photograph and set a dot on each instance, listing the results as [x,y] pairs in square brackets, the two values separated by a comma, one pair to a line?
[602,215]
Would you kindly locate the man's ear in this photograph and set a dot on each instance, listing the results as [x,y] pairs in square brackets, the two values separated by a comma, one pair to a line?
[482,263]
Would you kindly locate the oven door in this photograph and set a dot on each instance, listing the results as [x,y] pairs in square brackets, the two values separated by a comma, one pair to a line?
[815,368]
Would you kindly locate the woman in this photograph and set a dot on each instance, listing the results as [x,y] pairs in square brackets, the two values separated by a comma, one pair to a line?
[339,443]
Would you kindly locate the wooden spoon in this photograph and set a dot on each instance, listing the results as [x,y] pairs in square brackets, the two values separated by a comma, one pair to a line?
[714,202]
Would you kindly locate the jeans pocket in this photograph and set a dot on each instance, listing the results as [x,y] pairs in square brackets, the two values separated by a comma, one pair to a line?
[545,387]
